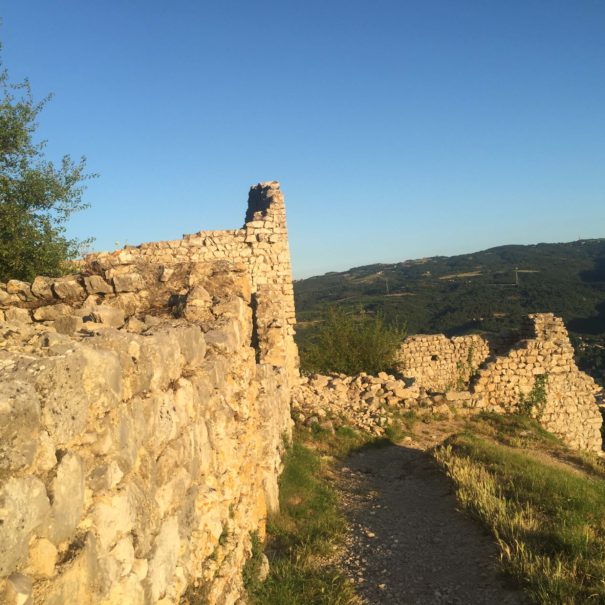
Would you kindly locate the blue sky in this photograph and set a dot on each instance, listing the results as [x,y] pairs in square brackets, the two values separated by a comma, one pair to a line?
[397,129]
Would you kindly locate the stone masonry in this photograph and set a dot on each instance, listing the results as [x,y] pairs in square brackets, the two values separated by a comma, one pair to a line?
[438,363]
[261,246]
[144,404]
[145,401]
[437,375]
[568,408]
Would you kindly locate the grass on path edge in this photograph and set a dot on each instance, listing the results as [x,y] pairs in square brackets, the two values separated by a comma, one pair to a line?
[547,516]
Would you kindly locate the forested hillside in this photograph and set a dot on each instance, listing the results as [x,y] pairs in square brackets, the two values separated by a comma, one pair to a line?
[486,291]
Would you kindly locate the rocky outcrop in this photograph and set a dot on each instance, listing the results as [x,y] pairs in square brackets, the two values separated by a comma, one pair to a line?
[144,405]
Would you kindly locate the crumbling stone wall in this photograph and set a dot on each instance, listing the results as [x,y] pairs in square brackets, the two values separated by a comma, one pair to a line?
[143,409]
[438,363]
[540,372]
[261,246]
[536,374]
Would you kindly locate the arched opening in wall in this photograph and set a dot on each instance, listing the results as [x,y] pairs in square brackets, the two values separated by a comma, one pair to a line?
[434,357]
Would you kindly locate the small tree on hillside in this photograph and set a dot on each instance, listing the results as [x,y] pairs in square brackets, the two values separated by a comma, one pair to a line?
[349,344]
[36,197]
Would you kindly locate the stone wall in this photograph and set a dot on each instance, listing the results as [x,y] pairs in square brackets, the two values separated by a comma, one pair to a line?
[543,362]
[261,246]
[438,363]
[143,409]
[533,372]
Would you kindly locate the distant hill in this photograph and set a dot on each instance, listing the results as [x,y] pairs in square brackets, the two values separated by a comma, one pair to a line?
[485,291]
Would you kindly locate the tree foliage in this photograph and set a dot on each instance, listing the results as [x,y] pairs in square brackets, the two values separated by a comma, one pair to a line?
[349,344]
[36,196]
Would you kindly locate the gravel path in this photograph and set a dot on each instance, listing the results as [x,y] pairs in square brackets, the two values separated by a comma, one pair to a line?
[407,542]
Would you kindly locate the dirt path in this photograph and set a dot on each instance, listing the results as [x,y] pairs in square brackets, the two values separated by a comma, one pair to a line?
[407,542]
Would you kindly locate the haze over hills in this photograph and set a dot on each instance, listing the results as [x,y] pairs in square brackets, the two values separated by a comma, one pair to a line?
[490,290]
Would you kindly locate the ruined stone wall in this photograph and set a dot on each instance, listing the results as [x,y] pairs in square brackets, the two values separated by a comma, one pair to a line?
[438,363]
[540,373]
[535,375]
[139,441]
[143,409]
[261,246]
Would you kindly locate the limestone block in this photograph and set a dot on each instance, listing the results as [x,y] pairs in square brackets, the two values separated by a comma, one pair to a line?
[236,308]
[123,553]
[140,567]
[214,370]
[21,288]
[166,273]
[192,344]
[24,507]
[52,312]
[42,558]
[45,455]
[67,490]
[127,591]
[19,423]
[68,288]
[113,518]
[163,562]
[226,338]
[18,315]
[95,284]
[126,438]
[70,383]
[164,417]
[108,316]
[131,302]
[160,361]
[198,305]
[6,298]
[69,324]
[42,288]
[128,282]
[457,395]
[79,579]
[404,393]
[105,476]
[170,494]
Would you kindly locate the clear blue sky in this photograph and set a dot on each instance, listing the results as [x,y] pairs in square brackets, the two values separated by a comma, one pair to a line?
[397,129]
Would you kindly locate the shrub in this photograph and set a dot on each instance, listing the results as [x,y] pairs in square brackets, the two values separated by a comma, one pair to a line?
[37,197]
[349,344]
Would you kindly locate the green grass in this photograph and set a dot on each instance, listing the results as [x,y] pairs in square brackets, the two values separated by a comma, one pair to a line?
[548,516]
[303,537]
[402,424]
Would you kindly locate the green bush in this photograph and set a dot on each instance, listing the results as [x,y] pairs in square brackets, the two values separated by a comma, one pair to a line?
[349,344]
[37,197]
